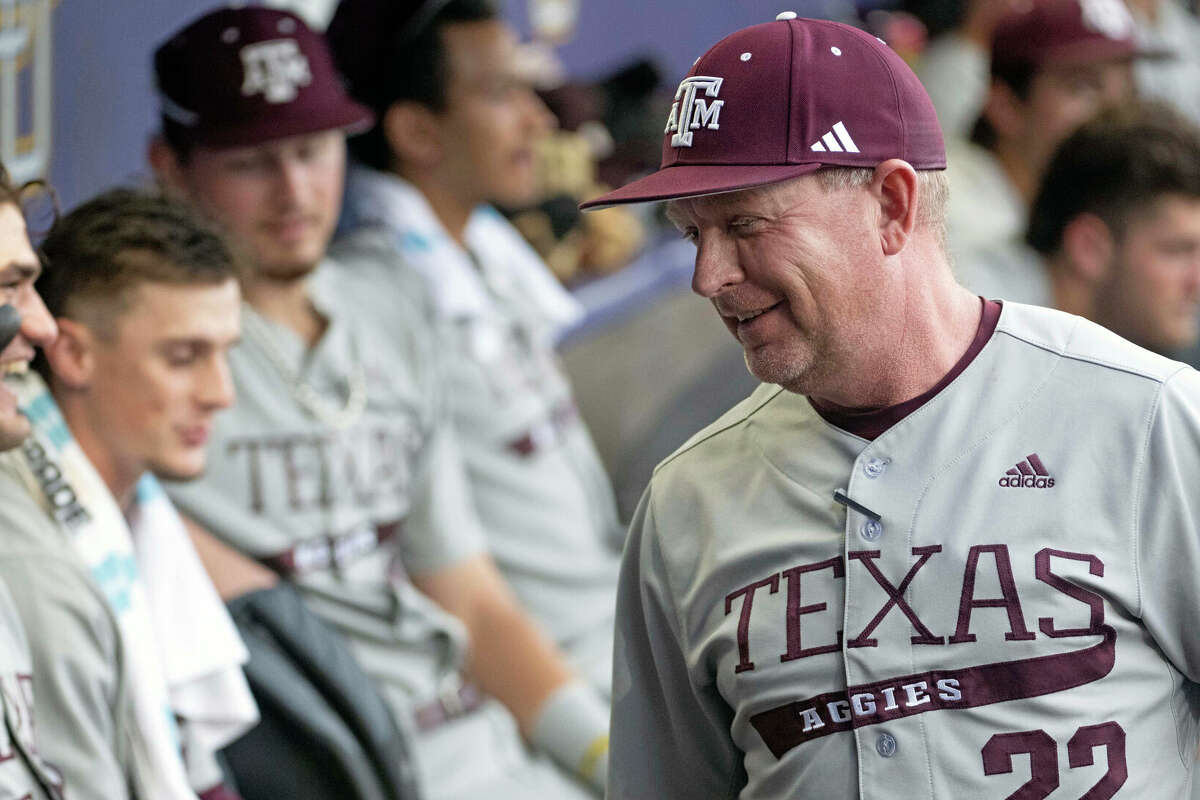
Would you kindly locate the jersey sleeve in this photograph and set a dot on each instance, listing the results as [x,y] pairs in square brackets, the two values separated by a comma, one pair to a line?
[442,528]
[670,737]
[1167,523]
[76,666]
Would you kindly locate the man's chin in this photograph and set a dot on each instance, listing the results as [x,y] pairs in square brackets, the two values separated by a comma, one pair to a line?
[14,429]
[176,473]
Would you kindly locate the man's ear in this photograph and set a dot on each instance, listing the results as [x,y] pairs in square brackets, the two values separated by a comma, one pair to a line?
[1089,246]
[412,133]
[166,165]
[895,189]
[72,356]
[1004,110]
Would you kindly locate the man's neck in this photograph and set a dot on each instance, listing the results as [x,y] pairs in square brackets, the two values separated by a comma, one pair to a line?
[287,303]
[451,207]
[1070,293]
[935,322]
[1021,174]
[120,477]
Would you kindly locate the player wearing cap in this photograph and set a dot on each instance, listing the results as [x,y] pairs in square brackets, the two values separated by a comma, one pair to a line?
[335,468]
[1117,219]
[896,570]
[1053,65]
[24,325]
[456,127]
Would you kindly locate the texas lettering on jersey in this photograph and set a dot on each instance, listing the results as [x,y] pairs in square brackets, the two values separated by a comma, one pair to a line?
[799,721]
[324,470]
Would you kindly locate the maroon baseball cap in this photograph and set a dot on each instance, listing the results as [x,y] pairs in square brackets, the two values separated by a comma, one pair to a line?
[1063,32]
[243,76]
[783,99]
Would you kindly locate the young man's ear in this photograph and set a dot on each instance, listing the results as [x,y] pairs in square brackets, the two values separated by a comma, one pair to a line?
[1089,246]
[895,188]
[72,355]
[165,163]
[1004,110]
[413,134]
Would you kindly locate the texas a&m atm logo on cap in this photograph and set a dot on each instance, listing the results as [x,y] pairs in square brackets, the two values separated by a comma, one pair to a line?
[691,112]
[275,69]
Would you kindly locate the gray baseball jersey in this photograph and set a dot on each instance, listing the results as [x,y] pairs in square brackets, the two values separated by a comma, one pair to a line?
[23,772]
[1007,610]
[534,473]
[349,507]
[82,710]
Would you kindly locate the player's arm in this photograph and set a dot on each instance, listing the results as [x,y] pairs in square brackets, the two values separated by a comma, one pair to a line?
[1167,523]
[670,737]
[77,681]
[232,573]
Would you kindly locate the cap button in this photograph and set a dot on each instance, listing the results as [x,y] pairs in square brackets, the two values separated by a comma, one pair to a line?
[785,15]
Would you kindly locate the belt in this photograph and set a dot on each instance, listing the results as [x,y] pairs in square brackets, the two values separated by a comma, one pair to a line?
[456,701]
[337,550]
[544,433]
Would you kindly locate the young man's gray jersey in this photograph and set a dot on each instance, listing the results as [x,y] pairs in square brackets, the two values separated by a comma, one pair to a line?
[1021,614]
[348,507]
[534,472]
[82,712]
[23,771]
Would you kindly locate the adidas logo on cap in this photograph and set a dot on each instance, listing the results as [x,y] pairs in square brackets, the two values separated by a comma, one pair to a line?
[837,140]
[1028,474]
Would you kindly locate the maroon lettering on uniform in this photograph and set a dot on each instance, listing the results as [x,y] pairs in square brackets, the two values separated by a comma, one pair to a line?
[795,610]
[1094,602]
[895,597]
[253,469]
[743,629]
[801,721]
[1009,599]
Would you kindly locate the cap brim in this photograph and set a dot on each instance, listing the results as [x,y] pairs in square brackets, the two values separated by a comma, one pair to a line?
[347,116]
[696,180]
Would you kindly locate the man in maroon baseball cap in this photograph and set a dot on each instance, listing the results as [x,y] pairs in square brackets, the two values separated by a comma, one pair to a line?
[336,469]
[1053,65]
[843,587]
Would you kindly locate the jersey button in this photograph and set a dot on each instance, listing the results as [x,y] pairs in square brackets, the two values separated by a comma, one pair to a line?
[885,745]
[875,467]
[871,530]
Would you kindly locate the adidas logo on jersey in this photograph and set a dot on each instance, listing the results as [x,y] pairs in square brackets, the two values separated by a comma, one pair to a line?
[1029,474]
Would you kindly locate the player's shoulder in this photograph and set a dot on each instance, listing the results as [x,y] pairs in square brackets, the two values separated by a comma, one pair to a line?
[369,269]
[768,404]
[1084,342]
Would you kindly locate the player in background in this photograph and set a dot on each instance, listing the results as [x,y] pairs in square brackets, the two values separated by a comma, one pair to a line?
[456,126]
[1053,65]
[1117,219]
[26,325]
[136,659]
[335,470]
[949,548]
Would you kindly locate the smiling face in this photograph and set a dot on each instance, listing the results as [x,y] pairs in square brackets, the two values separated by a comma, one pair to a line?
[158,377]
[278,201]
[19,268]
[794,272]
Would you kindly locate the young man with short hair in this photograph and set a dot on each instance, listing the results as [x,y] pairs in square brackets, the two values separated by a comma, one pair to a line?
[23,770]
[336,469]
[456,127]
[132,703]
[950,538]
[1117,219]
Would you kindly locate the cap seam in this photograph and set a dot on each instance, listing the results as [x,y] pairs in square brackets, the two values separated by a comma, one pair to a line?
[791,74]
[904,149]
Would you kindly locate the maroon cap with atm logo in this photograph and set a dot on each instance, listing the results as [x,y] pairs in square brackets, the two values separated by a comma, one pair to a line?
[783,99]
[245,75]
